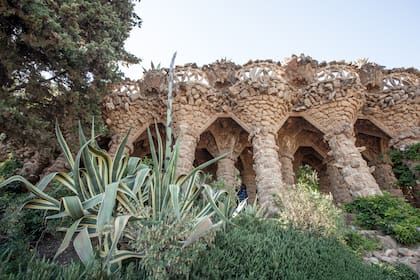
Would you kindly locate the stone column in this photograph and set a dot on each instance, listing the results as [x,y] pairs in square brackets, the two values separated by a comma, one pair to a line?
[226,171]
[288,173]
[268,170]
[339,188]
[187,146]
[352,167]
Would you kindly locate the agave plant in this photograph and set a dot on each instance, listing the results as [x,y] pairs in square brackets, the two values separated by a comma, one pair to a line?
[110,192]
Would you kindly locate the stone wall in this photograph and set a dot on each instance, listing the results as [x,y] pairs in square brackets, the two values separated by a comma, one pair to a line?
[268,110]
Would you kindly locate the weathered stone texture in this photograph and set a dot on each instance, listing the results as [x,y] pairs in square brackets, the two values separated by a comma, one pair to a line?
[337,112]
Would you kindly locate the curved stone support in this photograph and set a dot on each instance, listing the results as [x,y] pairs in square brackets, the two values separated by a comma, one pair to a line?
[287,169]
[338,187]
[268,171]
[352,167]
[187,146]
[226,171]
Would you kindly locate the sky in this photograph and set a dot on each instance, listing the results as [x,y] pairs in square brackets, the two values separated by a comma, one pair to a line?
[201,31]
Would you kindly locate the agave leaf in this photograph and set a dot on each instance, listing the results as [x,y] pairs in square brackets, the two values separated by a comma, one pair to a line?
[67,181]
[40,204]
[92,202]
[60,215]
[141,177]
[67,238]
[37,192]
[133,165]
[64,147]
[203,226]
[121,255]
[78,183]
[73,206]
[106,164]
[119,226]
[204,165]
[83,247]
[211,200]
[119,156]
[107,206]
[174,190]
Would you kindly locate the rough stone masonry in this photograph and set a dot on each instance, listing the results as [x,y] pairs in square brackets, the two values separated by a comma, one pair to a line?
[340,118]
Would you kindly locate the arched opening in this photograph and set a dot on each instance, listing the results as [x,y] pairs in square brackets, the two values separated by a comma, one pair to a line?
[223,136]
[375,151]
[309,166]
[142,145]
[298,132]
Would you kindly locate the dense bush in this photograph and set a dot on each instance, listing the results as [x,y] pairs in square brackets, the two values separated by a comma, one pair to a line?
[264,249]
[7,169]
[392,215]
[307,208]
[406,167]
[36,268]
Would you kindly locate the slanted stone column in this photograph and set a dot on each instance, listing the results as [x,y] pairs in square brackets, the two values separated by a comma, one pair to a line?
[288,173]
[226,171]
[268,170]
[339,188]
[187,146]
[352,167]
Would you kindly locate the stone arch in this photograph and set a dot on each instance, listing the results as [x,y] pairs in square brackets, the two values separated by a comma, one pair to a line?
[141,145]
[374,145]
[224,136]
[297,132]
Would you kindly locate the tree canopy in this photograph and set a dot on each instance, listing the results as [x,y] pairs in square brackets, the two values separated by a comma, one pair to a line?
[56,60]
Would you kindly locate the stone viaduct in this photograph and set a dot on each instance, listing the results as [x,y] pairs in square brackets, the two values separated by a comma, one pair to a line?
[340,118]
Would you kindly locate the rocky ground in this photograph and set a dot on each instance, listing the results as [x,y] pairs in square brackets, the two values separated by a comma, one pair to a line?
[392,252]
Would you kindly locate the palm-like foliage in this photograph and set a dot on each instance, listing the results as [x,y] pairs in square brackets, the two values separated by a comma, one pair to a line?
[108,192]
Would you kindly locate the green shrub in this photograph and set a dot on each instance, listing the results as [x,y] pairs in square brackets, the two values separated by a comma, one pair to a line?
[308,177]
[307,208]
[406,177]
[360,244]
[264,249]
[7,169]
[392,215]
[114,197]
[39,268]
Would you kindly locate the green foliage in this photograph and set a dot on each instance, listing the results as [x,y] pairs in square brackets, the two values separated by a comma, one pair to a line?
[360,244]
[36,268]
[8,168]
[162,244]
[391,215]
[114,197]
[406,177]
[307,177]
[308,209]
[56,61]
[264,249]
[18,228]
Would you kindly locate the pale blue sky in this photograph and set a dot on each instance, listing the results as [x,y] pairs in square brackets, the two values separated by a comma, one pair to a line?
[202,31]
